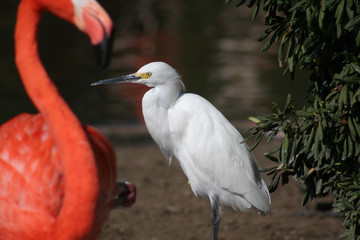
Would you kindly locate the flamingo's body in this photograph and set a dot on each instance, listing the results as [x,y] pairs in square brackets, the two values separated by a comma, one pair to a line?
[57,177]
[32,182]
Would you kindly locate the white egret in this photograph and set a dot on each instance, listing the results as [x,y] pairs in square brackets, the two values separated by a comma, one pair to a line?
[207,146]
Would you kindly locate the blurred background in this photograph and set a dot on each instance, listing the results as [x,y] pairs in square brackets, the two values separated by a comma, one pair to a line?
[212,45]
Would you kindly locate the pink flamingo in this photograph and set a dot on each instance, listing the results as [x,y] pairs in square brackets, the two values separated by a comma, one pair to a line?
[57,177]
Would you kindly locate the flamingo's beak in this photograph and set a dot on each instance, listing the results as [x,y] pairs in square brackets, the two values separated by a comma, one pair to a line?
[96,23]
[103,50]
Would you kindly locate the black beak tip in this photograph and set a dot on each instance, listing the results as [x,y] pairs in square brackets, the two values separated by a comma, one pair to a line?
[103,50]
[94,84]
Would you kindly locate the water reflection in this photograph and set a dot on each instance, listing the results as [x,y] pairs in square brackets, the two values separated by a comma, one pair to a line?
[212,45]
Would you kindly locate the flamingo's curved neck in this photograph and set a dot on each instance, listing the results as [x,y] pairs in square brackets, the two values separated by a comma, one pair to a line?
[80,181]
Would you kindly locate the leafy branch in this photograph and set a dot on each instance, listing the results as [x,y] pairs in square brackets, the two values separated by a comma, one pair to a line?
[321,142]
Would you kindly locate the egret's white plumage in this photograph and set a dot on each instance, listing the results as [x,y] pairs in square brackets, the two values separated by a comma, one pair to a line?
[207,146]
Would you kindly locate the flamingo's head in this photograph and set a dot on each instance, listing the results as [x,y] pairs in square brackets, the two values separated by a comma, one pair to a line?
[90,18]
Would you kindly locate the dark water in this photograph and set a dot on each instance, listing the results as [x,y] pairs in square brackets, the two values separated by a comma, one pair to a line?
[212,45]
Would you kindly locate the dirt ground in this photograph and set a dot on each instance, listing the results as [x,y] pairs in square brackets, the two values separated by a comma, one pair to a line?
[166,208]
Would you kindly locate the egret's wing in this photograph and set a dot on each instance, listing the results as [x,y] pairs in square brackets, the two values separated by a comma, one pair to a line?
[214,148]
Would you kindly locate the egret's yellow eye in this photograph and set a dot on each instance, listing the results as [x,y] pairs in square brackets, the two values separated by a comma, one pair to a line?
[143,75]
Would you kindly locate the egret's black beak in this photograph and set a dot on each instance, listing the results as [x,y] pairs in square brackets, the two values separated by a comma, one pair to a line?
[121,79]
[103,50]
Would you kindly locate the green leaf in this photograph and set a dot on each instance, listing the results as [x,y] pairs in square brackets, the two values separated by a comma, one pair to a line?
[305,198]
[284,149]
[291,64]
[290,49]
[274,38]
[353,22]
[288,103]
[246,139]
[264,36]
[319,185]
[357,40]
[297,5]
[354,187]
[321,17]
[339,11]
[271,158]
[257,141]
[352,231]
[302,113]
[251,3]
[347,205]
[309,16]
[272,134]
[352,129]
[267,169]
[343,97]
[319,132]
[241,2]
[274,182]
[254,119]
[256,10]
[345,148]
[318,139]
[310,139]
[356,67]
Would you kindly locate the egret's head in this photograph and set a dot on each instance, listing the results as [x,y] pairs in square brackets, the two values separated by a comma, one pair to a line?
[157,73]
[152,75]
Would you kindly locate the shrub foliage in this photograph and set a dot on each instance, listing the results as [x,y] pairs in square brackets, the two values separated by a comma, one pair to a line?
[321,142]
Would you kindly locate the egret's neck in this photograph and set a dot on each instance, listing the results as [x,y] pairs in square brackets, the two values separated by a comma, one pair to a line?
[166,95]
[155,105]
[77,158]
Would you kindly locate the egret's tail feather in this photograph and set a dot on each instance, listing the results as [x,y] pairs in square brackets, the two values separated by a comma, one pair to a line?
[259,198]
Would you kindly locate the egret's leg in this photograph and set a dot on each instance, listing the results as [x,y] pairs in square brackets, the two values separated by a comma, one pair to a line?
[215,218]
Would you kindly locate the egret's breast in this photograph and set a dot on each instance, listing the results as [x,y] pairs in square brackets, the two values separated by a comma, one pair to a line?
[157,123]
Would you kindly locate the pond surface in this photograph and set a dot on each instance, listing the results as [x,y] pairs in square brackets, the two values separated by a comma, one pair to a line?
[212,45]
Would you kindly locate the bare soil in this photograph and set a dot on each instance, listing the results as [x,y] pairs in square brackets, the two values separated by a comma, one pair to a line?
[166,208]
